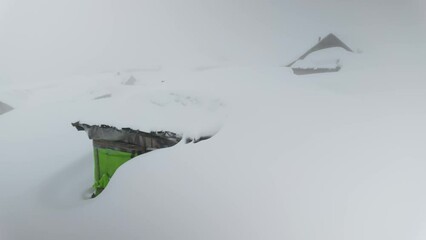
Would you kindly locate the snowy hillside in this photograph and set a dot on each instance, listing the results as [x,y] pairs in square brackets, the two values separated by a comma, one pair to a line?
[290,154]
[333,156]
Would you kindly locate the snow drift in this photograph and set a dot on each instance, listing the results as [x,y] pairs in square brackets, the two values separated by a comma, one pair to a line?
[294,159]
[328,157]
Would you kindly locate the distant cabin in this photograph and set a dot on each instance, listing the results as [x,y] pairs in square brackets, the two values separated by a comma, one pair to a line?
[113,147]
[131,81]
[321,58]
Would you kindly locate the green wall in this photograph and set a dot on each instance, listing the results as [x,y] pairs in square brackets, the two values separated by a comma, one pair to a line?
[107,161]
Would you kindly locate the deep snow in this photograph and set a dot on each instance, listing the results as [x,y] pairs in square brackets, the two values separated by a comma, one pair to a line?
[332,156]
[337,156]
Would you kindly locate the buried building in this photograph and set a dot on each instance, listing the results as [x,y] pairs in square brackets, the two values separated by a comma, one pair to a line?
[113,147]
[324,57]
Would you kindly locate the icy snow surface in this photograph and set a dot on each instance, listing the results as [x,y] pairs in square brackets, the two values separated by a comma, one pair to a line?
[335,156]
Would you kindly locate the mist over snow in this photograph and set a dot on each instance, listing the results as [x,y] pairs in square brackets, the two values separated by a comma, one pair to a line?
[332,156]
[47,39]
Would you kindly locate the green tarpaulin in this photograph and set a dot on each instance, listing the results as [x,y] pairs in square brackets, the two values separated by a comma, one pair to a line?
[107,161]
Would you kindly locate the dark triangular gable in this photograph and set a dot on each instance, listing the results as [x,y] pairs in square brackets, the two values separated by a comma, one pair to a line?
[131,81]
[4,108]
[328,42]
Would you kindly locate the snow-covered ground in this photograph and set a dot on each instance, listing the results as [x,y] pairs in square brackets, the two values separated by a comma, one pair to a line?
[333,156]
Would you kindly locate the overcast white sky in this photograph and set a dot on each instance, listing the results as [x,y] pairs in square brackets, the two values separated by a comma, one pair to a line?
[52,38]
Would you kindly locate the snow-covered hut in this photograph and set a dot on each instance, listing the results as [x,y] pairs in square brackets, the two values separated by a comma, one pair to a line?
[113,147]
[131,81]
[325,56]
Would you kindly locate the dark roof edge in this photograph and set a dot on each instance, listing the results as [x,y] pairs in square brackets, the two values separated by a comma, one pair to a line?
[158,134]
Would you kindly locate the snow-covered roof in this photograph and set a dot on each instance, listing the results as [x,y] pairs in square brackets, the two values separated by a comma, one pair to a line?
[125,135]
[153,103]
[325,58]
[330,41]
